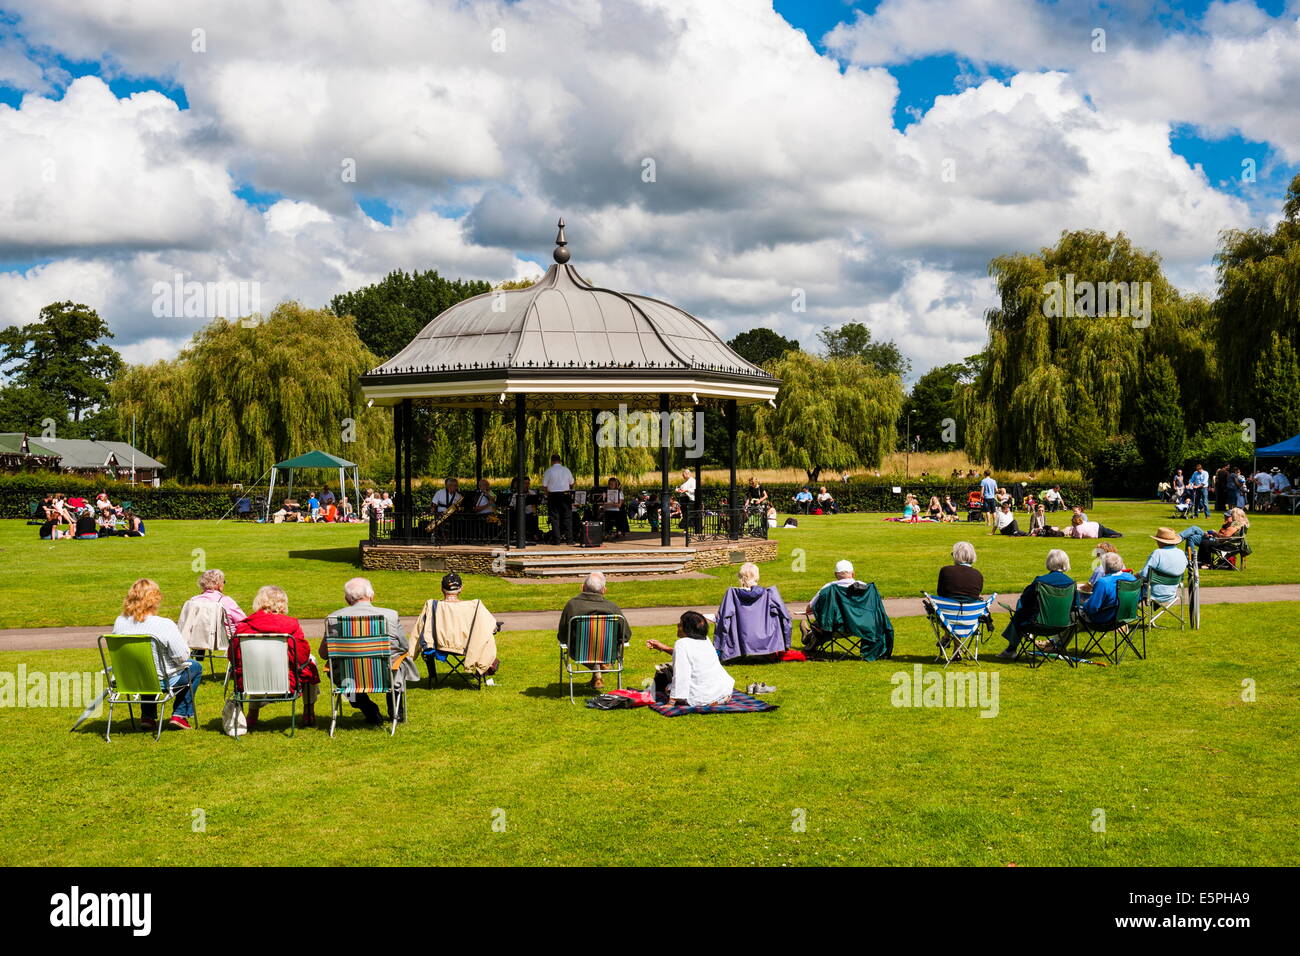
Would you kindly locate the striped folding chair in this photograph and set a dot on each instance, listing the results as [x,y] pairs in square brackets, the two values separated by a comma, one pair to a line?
[360,663]
[595,645]
[958,626]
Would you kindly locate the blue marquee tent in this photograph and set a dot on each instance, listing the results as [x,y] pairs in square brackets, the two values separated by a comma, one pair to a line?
[1283,449]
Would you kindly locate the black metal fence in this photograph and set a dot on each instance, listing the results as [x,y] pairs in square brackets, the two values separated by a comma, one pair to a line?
[447,530]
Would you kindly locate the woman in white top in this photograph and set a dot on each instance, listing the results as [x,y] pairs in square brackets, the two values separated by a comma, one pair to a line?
[698,677]
[614,517]
[140,616]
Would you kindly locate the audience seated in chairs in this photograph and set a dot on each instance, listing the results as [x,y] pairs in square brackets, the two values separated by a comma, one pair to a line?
[803,500]
[459,633]
[613,513]
[1100,605]
[847,616]
[959,580]
[591,600]
[696,677]
[1212,547]
[752,621]
[212,588]
[360,596]
[826,502]
[271,616]
[140,616]
[1026,610]
[1168,559]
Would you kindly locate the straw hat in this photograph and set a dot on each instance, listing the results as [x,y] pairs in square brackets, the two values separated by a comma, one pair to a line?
[1167,536]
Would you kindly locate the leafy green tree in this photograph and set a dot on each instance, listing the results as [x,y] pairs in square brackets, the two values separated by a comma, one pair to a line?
[62,355]
[1160,431]
[932,400]
[761,345]
[830,413]
[1258,307]
[240,398]
[1219,443]
[390,313]
[853,340]
[25,408]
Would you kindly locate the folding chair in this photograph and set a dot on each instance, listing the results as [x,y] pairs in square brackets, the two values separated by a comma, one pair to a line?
[132,676]
[1128,622]
[594,639]
[1054,620]
[454,661]
[1175,607]
[360,663]
[206,629]
[1229,554]
[958,626]
[849,621]
[1182,509]
[264,674]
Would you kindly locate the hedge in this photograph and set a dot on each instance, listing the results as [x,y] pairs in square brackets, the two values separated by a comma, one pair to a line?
[17,492]
[878,495]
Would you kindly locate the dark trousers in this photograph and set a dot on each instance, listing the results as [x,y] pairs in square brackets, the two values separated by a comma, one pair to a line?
[560,508]
[368,707]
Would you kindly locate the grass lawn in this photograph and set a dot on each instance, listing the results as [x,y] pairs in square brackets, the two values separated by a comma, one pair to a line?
[1184,771]
[82,582]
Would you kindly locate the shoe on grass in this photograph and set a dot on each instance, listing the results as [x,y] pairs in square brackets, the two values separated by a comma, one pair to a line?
[180,723]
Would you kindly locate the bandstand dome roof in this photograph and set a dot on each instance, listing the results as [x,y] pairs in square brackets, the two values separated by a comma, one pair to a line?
[569,344]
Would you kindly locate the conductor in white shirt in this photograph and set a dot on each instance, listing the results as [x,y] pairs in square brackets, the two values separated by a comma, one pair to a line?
[699,678]
[687,490]
[558,482]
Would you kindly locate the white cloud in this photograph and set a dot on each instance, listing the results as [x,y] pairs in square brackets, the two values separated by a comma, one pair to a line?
[774,167]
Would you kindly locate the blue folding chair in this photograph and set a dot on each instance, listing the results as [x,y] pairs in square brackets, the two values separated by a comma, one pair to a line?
[958,626]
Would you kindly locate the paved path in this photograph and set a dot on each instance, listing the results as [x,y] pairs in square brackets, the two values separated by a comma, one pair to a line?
[60,638]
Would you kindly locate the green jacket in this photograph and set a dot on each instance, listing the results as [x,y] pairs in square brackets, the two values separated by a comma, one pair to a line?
[858,610]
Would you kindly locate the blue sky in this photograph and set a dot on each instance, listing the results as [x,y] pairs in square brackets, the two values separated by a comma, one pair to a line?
[235,172]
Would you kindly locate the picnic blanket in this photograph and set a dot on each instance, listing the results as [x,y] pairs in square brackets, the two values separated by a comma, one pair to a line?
[737,703]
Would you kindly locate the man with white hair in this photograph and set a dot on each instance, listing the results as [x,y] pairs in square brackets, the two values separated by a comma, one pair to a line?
[360,597]
[843,578]
[591,600]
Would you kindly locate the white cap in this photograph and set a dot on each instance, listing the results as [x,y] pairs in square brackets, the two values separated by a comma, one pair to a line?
[843,566]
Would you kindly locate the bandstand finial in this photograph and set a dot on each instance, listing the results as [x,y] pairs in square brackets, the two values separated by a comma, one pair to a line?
[561,254]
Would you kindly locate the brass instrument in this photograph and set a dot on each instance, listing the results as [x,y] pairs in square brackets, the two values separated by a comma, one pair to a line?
[431,527]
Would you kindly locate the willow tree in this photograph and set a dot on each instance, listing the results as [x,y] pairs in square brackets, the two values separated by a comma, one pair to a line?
[830,413]
[244,395]
[1066,347]
[1258,305]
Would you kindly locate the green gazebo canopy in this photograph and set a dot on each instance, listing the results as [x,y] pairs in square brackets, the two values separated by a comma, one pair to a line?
[316,459]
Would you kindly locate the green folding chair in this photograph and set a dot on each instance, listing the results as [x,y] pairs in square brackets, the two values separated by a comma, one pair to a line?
[1175,607]
[595,645]
[131,673]
[360,663]
[1120,632]
[1055,621]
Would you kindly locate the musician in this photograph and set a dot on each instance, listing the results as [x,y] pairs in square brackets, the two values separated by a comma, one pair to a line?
[447,496]
[484,500]
[615,519]
[530,507]
[558,482]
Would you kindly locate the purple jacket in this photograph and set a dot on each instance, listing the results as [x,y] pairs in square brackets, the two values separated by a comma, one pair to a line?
[751,622]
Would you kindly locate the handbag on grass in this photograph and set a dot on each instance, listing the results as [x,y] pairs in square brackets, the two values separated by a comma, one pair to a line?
[233,721]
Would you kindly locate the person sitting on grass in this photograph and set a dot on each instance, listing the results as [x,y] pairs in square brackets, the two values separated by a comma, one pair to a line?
[134,525]
[106,524]
[1058,562]
[949,508]
[85,527]
[591,600]
[271,616]
[1005,522]
[140,616]
[360,596]
[960,581]
[935,510]
[826,501]
[1080,527]
[697,677]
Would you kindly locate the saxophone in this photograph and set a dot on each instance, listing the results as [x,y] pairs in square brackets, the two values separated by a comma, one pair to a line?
[431,527]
